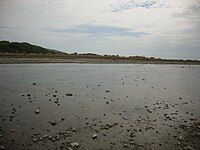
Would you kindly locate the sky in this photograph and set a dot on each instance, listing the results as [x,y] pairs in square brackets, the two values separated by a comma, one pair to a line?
[158,28]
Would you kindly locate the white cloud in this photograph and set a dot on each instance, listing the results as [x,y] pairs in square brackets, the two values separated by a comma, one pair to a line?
[173,26]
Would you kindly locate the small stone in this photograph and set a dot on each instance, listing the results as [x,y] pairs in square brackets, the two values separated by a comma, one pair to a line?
[188,148]
[53,123]
[34,83]
[180,138]
[62,118]
[2,147]
[69,94]
[37,111]
[75,144]
[13,130]
[125,145]
[94,136]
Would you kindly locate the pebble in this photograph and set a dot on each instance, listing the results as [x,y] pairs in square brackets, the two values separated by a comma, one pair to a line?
[53,123]
[188,148]
[37,111]
[180,138]
[125,146]
[94,136]
[75,144]
[2,147]
[69,94]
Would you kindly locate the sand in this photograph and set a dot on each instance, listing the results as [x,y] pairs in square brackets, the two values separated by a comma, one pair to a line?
[93,106]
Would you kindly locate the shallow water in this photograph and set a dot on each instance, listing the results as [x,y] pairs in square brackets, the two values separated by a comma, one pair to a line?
[136,106]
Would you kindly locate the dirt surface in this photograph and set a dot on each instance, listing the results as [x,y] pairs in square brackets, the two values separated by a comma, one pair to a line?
[24,59]
[99,107]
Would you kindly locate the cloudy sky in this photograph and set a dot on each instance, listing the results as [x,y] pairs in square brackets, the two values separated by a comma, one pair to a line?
[160,28]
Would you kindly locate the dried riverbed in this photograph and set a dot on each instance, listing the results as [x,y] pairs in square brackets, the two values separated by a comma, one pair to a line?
[99,107]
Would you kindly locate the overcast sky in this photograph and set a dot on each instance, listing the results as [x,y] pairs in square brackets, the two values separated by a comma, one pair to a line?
[160,28]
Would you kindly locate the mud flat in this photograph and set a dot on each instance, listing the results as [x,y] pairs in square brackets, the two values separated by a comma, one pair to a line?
[99,107]
[84,59]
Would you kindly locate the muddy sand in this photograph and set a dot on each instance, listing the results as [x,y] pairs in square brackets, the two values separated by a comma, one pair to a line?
[30,59]
[99,107]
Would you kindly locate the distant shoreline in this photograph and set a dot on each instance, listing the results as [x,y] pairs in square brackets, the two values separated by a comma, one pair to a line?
[22,53]
[10,58]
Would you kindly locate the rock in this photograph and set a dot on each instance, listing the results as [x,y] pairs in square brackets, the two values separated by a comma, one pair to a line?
[13,130]
[37,111]
[75,144]
[62,118]
[53,123]
[180,138]
[2,147]
[34,83]
[125,145]
[69,94]
[94,136]
[188,148]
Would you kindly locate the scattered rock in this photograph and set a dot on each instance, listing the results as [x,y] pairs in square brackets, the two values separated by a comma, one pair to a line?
[2,147]
[37,111]
[125,145]
[188,148]
[180,138]
[75,144]
[53,123]
[69,94]
[94,136]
